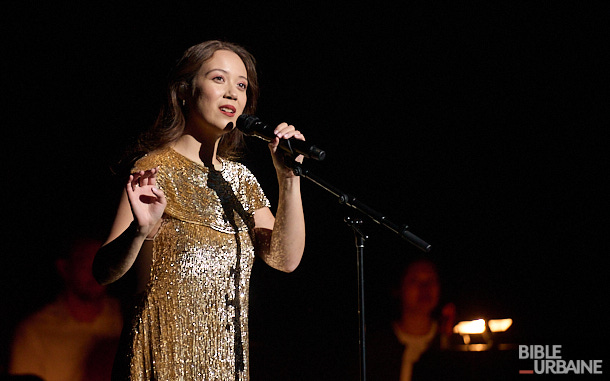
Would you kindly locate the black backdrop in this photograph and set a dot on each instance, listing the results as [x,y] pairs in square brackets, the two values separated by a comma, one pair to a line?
[479,126]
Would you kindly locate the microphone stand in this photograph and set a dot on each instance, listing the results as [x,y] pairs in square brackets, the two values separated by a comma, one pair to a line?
[354,224]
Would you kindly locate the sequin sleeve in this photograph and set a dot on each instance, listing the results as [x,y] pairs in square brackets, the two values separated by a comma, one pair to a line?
[253,194]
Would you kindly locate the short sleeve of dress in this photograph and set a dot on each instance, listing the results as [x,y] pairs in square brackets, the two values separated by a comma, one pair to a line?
[251,193]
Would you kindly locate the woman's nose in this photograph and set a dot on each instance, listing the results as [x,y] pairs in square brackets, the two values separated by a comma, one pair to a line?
[230,93]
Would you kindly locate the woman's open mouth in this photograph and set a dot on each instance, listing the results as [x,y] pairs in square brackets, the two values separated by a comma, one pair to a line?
[228,110]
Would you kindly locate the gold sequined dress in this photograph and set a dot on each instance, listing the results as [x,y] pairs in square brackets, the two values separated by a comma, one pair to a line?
[191,322]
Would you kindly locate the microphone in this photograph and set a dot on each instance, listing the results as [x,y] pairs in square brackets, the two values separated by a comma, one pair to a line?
[252,126]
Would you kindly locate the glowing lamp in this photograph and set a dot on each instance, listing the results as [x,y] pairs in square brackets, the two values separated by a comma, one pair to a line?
[499,325]
[470,327]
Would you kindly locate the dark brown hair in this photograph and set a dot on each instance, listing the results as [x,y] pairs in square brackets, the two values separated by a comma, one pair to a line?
[170,122]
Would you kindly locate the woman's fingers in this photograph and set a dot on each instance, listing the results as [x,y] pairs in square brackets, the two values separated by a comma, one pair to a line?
[148,177]
[152,180]
[284,131]
[133,182]
[159,194]
[142,179]
[287,131]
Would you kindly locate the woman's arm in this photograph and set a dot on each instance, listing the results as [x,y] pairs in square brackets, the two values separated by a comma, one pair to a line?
[280,240]
[138,216]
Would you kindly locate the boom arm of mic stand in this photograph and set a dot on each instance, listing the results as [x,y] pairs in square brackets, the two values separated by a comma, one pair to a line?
[352,202]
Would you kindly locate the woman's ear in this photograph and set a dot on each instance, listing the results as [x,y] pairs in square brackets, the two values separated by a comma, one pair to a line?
[183,91]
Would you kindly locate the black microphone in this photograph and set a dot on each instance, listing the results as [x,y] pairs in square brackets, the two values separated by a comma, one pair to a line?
[252,126]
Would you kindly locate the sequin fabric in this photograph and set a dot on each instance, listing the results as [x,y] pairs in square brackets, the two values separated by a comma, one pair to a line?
[191,323]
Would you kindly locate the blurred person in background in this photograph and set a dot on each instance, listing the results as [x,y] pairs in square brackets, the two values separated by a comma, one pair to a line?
[420,325]
[75,337]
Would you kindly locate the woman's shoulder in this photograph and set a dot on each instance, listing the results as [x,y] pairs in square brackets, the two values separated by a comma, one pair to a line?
[237,169]
[234,165]
[151,159]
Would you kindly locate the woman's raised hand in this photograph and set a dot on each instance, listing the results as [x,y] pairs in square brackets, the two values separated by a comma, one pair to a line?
[284,131]
[146,200]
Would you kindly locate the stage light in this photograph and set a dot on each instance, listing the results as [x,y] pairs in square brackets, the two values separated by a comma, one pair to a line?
[470,327]
[499,325]
[481,335]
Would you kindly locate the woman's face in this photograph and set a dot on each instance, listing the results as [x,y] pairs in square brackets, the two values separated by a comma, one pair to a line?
[219,92]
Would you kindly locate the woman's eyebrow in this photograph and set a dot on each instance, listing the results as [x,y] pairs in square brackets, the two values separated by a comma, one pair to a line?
[224,71]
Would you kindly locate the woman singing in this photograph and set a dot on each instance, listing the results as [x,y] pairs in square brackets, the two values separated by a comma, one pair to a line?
[190,222]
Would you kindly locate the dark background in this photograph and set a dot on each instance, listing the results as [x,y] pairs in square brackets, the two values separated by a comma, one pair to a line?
[479,126]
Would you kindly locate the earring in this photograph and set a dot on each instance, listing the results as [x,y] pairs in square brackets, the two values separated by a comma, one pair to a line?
[183,103]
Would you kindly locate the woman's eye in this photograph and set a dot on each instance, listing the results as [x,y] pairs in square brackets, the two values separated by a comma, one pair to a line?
[243,86]
[218,78]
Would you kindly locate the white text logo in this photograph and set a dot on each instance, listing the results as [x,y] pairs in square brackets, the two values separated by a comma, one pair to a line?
[548,360]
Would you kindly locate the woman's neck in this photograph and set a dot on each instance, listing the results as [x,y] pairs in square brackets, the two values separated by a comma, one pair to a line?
[200,151]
